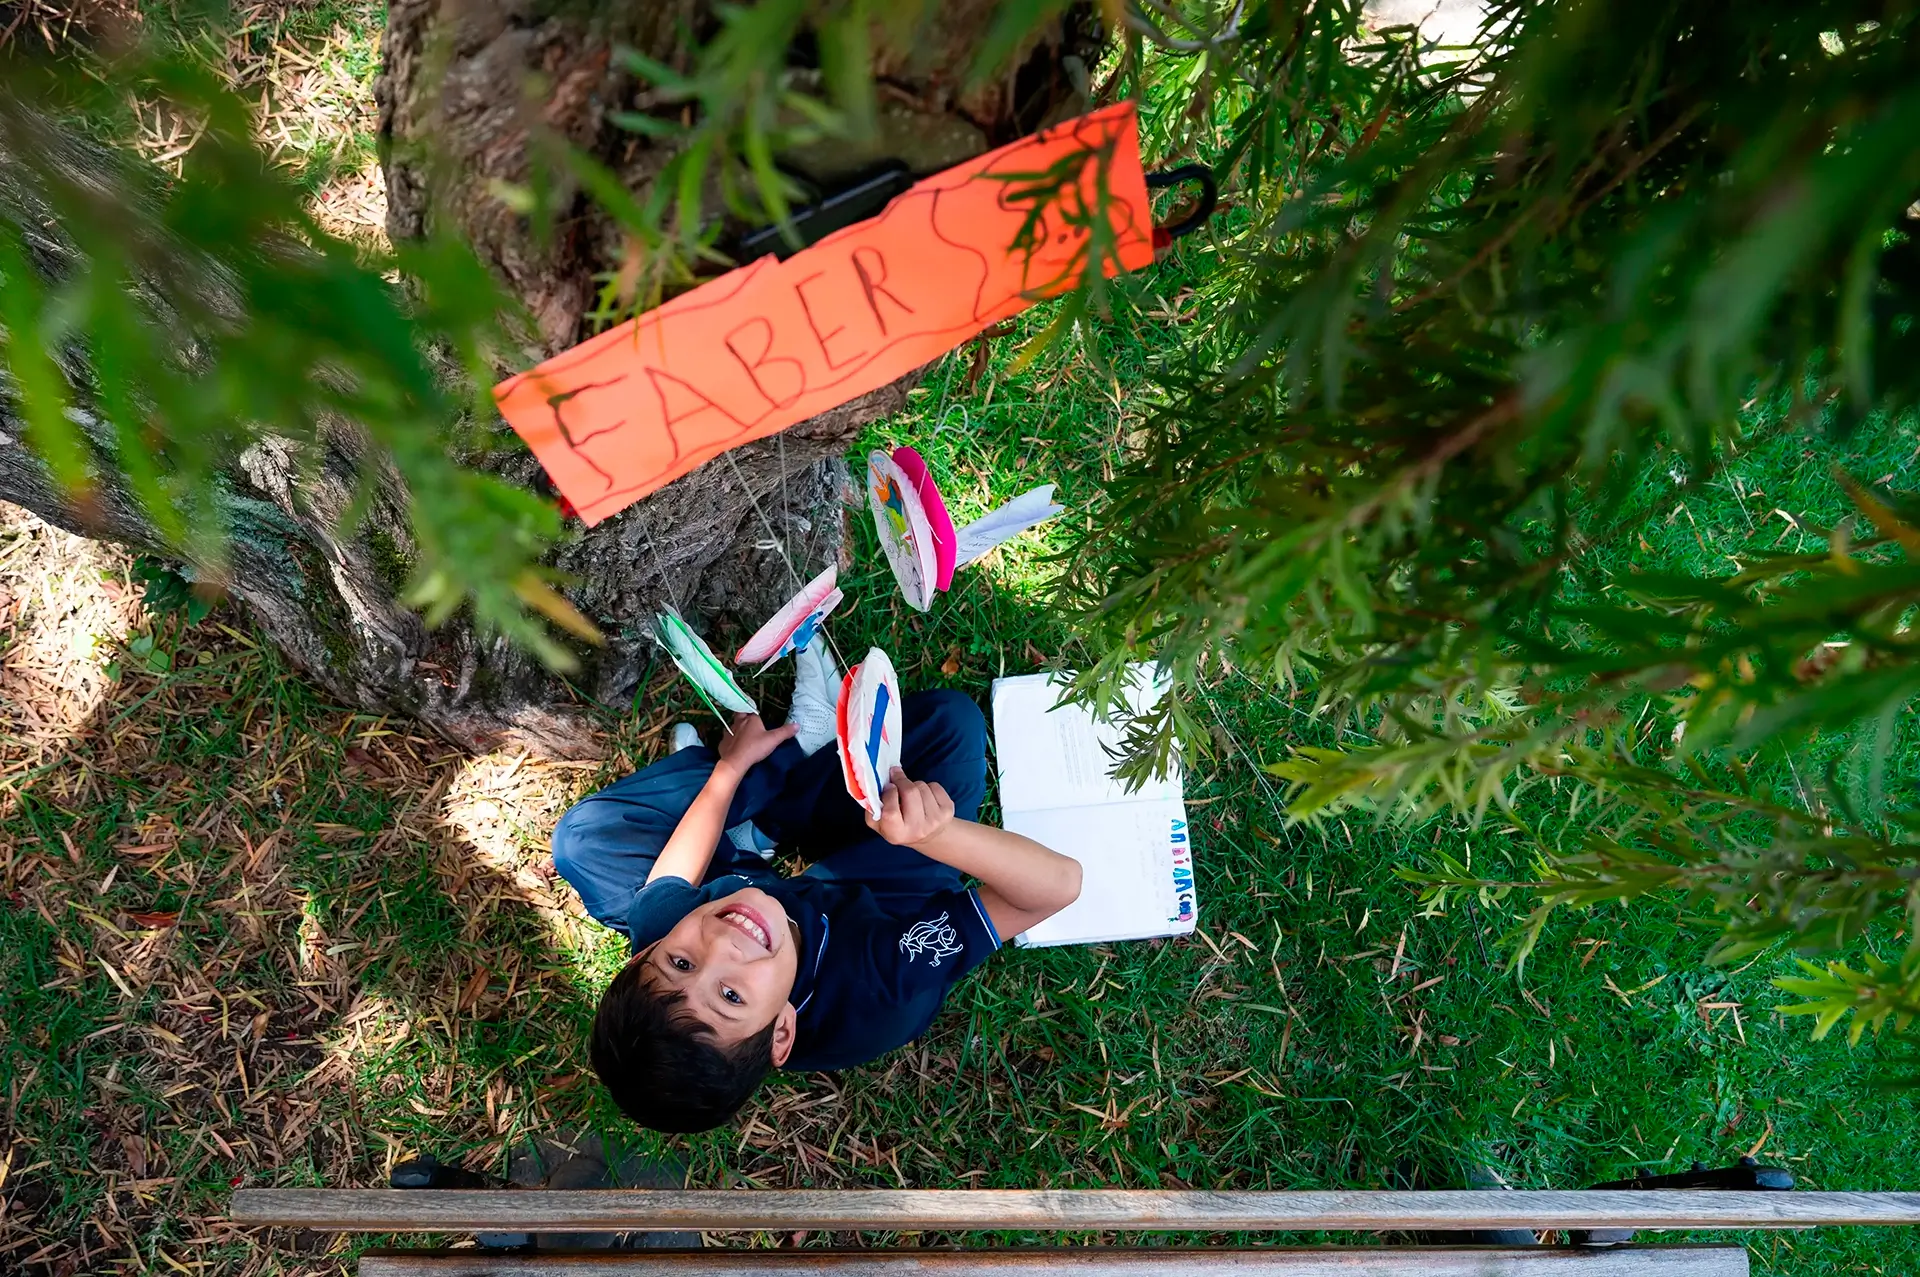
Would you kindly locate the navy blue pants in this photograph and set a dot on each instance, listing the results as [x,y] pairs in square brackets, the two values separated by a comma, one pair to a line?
[606,844]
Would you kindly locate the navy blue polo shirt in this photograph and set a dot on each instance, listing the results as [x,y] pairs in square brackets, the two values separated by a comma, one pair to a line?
[871,976]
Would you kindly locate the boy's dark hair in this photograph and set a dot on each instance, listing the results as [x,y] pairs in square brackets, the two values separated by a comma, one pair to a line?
[660,1061]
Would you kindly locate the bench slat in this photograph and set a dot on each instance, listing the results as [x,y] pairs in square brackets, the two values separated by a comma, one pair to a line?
[911,1210]
[1328,1261]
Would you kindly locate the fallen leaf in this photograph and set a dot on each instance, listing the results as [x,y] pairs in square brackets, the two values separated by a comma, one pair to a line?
[136,1150]
[951,665]
[476,985]
[981,351]
[159,919]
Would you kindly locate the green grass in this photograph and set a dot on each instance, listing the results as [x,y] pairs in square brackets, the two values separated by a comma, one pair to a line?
[1325,1032]
[1556,1079]
[370,983]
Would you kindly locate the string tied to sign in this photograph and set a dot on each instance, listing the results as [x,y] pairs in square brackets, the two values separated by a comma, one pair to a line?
[774,343]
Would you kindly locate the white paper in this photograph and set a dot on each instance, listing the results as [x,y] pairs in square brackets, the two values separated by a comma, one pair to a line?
[1134,876]
[1056,788]
[1058,757]
[1010,520]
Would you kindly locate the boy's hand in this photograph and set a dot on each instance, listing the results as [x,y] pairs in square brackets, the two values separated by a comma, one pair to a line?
[912,812]
[750,741]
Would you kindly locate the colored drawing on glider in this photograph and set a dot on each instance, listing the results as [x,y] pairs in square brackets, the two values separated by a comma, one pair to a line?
[794,625]
[939,522]
[1010,520]
[697,661]
[867,729]
[905,535]
[775,342]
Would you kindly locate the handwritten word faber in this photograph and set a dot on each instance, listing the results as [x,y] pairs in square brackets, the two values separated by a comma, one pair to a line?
[774,343]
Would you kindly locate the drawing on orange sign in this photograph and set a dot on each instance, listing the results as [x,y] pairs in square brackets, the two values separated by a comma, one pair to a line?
[776,342]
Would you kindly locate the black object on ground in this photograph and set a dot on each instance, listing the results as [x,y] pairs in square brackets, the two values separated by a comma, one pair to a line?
[1745,1175]
[581,1162]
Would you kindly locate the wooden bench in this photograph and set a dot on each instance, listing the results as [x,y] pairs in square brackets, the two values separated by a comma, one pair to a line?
[1321,1261]
[1066,1210]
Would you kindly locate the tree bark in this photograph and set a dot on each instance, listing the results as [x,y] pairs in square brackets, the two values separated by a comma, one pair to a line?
[464,88]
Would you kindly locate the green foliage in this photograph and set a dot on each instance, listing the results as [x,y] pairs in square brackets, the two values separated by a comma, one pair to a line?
[200,313]
[1462,311]
[1117,1066]
[164,592]
[1462,308]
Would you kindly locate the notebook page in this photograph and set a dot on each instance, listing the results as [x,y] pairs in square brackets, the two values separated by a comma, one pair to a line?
[1138,878]
[1060,757]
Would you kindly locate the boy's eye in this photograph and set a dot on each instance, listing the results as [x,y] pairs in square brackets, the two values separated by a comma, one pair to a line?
[680,964]
[730,995]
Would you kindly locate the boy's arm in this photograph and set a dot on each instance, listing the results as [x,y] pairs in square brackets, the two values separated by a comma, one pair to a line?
[690,847]
[1021,882]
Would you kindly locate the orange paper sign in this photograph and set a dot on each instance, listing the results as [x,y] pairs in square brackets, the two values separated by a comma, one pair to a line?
[774,343]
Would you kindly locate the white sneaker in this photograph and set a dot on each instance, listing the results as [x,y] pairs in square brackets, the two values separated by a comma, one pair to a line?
[816,695]
[685,736]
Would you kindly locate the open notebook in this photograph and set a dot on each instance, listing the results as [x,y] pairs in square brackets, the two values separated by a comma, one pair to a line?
[1055,789]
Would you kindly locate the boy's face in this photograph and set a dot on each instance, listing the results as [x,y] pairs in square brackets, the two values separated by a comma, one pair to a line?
[734,960]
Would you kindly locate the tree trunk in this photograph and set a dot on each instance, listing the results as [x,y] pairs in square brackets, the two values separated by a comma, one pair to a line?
[461,87]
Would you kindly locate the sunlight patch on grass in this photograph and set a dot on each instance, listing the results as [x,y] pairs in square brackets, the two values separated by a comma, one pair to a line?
[501,809]
[65,603]
[316,113]
[318,93]
[353,205]
[309,70]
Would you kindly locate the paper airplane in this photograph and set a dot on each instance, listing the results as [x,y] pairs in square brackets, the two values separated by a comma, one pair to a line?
[939,522]
[794,625]
[905,534]
[697,661]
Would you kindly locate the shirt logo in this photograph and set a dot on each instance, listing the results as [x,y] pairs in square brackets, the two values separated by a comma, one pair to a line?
[937,938]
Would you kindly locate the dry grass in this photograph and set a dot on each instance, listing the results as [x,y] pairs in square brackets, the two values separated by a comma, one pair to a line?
[55,25]
[316,105]
[353,206]
[282,943]
[308,67]
[64,602]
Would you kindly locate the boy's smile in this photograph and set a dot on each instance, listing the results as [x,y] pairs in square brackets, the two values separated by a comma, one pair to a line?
[734,961]
[749,921]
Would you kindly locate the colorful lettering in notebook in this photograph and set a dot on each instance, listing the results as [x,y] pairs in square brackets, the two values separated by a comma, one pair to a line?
[1182,871]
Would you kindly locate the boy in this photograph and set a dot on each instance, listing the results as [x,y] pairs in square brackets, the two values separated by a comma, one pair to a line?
[736,970]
